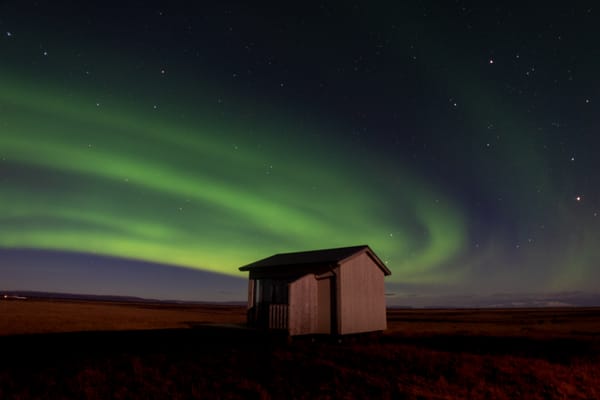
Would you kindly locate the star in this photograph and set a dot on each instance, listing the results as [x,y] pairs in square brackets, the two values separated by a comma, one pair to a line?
[9,34]
[578,198]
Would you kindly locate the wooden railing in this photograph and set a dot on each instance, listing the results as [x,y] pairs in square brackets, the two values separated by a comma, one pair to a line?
[278,316]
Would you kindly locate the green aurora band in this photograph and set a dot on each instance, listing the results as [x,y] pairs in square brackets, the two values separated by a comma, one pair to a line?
[117,179]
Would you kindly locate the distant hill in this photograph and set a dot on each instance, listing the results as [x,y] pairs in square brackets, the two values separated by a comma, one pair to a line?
[497,300]
[27,294]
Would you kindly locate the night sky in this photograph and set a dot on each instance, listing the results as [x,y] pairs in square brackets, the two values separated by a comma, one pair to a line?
[151,148]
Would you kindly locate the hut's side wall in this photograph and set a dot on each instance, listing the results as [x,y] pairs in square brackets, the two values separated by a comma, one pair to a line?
[302,313]
[361,296]
[250,293]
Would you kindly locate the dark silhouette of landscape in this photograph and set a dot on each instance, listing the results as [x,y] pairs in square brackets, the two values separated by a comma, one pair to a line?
[101,349]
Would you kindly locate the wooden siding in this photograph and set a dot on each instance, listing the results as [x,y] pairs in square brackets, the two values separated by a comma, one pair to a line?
[324,313]
[278,316]
[361,299]
[303,306]
[250,293]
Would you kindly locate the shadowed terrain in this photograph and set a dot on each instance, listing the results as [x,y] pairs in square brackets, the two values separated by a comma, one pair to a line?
[191,351]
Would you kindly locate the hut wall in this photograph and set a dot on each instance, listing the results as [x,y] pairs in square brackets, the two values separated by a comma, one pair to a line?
[324,305]
[302,312]
[250,293]
[361,298]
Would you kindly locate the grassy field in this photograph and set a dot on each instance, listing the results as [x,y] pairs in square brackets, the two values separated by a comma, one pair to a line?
[94,350]
[54,316]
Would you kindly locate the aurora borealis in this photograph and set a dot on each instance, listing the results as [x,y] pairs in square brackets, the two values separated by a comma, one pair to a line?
[458,142]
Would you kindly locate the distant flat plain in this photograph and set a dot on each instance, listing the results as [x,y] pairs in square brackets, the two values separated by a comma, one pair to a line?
[54,316]
[81,349]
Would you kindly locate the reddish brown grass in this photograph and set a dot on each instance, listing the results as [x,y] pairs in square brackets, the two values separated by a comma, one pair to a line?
[425,354]
[48,316]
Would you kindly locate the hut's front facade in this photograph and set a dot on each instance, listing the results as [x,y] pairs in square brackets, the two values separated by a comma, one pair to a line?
[332,291]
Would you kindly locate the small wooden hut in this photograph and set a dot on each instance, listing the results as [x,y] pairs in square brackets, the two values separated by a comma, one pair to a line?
[333,291]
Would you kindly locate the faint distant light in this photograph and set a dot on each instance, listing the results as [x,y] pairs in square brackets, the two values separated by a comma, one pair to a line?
[578,198]
[491,60]
[9,34]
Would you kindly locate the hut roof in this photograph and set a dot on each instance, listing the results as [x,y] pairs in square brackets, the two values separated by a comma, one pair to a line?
[314,257]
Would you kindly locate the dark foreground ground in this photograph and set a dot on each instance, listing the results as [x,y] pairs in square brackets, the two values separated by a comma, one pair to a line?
[426,354]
